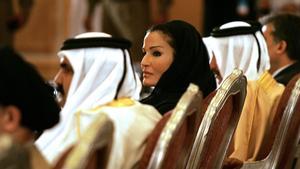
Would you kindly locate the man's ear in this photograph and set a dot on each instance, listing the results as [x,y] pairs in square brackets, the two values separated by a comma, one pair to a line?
[11,118]
[281,46]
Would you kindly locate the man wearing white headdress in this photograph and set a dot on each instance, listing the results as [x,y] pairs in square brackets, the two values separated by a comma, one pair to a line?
[244,49]
[242,45]
[96,70]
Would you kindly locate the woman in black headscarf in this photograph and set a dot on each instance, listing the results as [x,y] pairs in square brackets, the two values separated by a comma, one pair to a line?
[174,57]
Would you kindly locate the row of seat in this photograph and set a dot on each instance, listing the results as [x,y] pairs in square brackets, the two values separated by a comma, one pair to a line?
[283,145]
[197,133]
[205,146]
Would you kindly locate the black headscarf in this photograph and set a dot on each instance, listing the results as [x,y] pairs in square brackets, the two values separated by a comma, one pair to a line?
[190,65]
[23,87]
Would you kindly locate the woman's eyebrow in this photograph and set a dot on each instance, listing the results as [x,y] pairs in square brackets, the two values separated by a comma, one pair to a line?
[152,47]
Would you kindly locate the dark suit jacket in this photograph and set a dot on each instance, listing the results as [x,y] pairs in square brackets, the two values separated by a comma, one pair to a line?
[287,74]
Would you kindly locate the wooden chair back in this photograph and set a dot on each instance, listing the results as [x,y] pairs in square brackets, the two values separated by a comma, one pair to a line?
[169,144]
[219,122]
[92,150]
[285,133]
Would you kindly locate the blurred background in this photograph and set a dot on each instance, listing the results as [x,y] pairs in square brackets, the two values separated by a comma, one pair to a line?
[52,21]
[40,36]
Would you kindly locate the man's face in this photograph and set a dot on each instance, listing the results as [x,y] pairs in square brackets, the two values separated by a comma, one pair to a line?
[271,44]
[63,79]
[214,67]
[10,119]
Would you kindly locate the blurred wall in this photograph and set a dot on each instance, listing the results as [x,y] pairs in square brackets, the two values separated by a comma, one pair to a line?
[188,10]
[52,21]
[45,28]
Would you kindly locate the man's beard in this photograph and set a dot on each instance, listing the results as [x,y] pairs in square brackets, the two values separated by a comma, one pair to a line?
[57,90]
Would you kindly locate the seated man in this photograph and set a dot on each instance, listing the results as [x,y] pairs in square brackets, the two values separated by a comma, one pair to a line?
[282,35]
[26,105]
[262,99]
[242,45]
[239,45]
[96,76]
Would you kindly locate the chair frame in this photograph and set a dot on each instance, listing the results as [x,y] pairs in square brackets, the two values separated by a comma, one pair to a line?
[188,104]
[273,159]
[98,135]
[297,155]
[234,84]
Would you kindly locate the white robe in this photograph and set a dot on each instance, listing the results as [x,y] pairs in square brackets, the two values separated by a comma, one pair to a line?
[132,125]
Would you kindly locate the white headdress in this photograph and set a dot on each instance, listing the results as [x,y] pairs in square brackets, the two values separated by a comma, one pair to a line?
[101,74]
[246,51]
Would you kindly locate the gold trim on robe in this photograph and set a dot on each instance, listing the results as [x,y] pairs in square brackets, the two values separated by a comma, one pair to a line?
[257,116]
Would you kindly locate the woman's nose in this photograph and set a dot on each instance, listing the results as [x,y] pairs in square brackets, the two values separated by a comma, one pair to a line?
[146,61]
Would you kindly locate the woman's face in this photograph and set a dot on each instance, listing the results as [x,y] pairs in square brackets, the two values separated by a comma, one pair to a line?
[158,56]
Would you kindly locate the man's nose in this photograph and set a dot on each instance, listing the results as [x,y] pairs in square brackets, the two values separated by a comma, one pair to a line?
[58,78]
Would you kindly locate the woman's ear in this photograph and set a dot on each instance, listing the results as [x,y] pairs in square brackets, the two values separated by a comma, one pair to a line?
[11,118]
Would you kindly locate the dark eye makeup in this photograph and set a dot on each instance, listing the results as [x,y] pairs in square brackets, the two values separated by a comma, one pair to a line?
[156,53]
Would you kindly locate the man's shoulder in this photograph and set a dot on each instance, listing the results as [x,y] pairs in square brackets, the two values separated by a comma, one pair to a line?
[288,73]
[131,106]
[122,102]
[119,103]
[125,107]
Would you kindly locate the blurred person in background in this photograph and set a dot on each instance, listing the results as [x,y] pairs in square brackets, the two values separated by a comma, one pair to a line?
[275,6]
[13,15]
[27,107]
[129,19]
[236,10]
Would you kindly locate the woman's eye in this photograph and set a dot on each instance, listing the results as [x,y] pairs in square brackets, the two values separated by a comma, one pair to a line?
[156,53]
